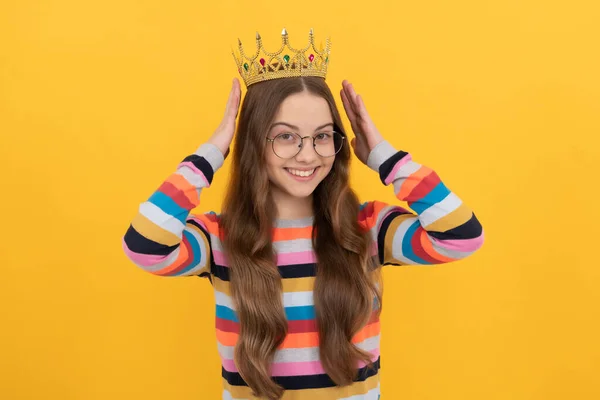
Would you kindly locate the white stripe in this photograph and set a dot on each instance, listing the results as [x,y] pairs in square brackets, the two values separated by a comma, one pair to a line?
[298,299]
[404,172]
[439,210]
[221,299]
[290,299]
[215,243]
[293,246]
[398,238]
[161,218]
[164,263]
[193,178]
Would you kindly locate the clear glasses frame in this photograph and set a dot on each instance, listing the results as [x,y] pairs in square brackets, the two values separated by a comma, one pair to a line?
[302,143]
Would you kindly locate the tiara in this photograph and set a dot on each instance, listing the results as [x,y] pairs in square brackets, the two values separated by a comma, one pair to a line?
[286,62]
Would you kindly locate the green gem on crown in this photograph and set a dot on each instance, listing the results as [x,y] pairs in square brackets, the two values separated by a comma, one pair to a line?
[246,66]
[286,58]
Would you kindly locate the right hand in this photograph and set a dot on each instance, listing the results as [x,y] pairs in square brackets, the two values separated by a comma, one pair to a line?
[224,133]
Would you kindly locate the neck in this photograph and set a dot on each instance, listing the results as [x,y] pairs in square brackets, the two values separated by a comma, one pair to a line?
[290,207]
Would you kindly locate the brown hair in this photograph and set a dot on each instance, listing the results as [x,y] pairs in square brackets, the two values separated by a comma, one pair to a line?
[347,286]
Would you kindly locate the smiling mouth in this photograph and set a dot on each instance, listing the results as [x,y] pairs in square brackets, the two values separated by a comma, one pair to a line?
[301,174]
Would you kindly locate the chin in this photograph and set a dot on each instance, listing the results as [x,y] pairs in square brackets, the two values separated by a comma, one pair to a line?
[298,190]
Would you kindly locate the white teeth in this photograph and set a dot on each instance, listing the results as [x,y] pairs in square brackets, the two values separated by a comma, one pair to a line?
[300,173]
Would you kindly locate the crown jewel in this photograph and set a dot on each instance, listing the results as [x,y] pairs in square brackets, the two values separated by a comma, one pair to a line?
[286,62]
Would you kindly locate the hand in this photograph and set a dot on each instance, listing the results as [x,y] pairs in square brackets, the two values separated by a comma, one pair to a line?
[223,135]
[366,134]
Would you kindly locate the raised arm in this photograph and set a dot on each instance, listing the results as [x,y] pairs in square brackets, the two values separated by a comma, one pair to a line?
[444,229]
[164,238]
[441,229]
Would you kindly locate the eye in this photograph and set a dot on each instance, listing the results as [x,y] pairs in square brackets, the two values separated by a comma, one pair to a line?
[285,137]
[323,136]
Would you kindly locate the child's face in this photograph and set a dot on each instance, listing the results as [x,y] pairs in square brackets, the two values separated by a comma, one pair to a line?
[306,115]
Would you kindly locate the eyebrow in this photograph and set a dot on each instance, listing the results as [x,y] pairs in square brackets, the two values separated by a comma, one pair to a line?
[296,128]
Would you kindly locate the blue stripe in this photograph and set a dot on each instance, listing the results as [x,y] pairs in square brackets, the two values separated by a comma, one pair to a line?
[195,252]
[291,313]
[168,205]
[407,250]
[300,313]
[436,195]
[226,313]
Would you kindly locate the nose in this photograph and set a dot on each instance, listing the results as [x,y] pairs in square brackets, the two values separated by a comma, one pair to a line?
[307,152]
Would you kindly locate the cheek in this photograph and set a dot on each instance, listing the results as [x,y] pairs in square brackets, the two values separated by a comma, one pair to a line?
[273,164]
[328,165]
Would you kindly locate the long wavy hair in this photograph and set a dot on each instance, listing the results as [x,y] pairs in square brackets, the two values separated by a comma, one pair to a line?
[347,287]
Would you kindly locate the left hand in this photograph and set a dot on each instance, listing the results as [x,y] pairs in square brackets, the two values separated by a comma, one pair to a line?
[366,134]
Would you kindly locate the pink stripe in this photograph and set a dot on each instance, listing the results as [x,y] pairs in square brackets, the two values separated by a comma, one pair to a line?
[460,244]
[295,368]
[304,257]
[144,260]
[398,165]
[307,368]
[229,365]
[191,166]
[219,258]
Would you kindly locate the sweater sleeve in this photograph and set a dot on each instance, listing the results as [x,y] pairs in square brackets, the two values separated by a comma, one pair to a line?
[441,229]
[164,238]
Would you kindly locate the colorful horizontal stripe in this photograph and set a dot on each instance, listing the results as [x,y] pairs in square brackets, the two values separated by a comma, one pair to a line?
[165,239]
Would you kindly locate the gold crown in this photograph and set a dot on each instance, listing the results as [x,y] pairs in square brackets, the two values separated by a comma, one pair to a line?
[286,62]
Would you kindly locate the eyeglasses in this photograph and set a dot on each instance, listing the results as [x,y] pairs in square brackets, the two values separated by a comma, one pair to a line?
[289,144]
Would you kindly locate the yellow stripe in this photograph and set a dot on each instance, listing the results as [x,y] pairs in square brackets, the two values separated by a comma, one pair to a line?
[221,286]
[289,285]
[456,218]
[357,388]
[389,238]
[298,284]
[150,230]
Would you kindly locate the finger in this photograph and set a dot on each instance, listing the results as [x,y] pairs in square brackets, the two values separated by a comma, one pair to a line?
[353,142]
[237,94]
[354,121]
[362,109]
[233,103]
[228,104]
[353,97]
[348,108]
[348,91]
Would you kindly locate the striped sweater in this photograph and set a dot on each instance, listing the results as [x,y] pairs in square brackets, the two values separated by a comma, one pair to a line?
[165,239]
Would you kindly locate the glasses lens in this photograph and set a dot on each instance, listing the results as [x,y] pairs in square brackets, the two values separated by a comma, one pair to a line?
[287,145]
[329,143]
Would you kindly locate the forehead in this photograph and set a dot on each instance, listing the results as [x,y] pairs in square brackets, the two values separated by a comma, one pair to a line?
[305,110]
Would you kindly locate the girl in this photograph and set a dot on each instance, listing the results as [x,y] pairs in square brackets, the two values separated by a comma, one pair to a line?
[294,259]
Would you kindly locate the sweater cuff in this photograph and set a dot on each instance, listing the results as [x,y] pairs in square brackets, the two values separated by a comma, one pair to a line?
[379,154]
[212,154]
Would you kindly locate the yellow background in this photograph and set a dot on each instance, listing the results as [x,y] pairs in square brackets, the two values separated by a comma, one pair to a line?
[100,100]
